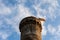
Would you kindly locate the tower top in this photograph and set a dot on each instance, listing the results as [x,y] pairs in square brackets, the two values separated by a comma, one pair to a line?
[32,20]
[31,28]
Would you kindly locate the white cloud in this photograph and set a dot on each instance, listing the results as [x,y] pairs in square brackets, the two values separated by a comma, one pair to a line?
[50,11]
[54,30]
[4,9]
[22,1]
[39,11]
[58,31]
[4,35]
[51,29]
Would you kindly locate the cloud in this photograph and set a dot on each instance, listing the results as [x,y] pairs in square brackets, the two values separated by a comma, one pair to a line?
[4,35]
[47,8]
[51,29]
[54,31]
[10,3]
[7,10]
[58,31]
[22,1]
[4,10]
[5,29]
[24,11]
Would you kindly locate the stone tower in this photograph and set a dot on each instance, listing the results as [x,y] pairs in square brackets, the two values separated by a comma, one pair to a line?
[31,28]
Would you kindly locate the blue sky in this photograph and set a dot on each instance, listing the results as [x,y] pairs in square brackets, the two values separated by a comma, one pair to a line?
[13,11]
